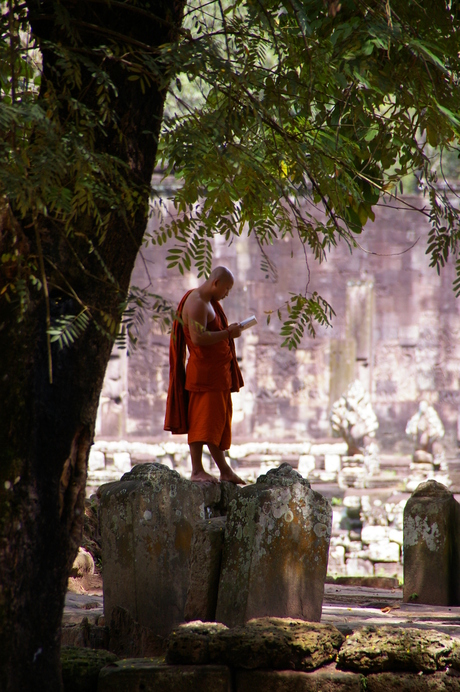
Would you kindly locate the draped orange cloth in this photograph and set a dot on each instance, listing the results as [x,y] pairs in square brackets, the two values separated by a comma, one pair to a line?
[210,418]
[210,369]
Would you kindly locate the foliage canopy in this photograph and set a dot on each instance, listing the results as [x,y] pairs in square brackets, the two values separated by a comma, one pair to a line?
[304,115]
[312,114]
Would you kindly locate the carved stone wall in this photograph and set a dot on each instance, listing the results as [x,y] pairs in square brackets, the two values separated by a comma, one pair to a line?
[396,329]
[112,414]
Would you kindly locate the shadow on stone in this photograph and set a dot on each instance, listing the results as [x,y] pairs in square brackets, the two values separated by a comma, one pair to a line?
[129,639]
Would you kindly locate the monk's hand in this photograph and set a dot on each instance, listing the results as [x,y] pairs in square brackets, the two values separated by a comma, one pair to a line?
[234,330]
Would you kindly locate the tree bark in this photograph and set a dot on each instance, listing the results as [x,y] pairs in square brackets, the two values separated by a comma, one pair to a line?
[47,428]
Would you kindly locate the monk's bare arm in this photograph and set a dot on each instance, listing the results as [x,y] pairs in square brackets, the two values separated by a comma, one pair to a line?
[197,320]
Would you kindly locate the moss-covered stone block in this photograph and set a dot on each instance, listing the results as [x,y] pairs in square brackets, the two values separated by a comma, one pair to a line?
[277,643]
[133,675]
[81,667]
[380,649]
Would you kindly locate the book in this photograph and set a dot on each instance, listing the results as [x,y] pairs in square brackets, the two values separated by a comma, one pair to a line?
[248,322]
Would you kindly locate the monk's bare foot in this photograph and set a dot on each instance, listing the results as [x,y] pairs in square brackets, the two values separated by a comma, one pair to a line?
[203,477]
[229,475]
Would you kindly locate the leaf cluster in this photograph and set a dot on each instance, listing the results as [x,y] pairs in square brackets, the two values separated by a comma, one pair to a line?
[303,313]
[309,115]
[65,174]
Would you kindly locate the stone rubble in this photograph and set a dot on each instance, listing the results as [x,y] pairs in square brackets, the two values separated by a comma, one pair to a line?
[284,655]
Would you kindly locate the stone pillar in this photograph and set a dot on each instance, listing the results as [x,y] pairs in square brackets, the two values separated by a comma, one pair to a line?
[359,316]
[431,521]
[342,360]
[147,524]
[275,550]
[206,558]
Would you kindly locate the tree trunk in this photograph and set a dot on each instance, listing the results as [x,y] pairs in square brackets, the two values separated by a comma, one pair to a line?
[46,429]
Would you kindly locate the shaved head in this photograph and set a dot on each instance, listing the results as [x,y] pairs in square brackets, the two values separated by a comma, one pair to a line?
[219,283]
[220,273]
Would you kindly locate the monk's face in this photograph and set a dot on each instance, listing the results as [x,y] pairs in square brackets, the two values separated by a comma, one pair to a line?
[223,287]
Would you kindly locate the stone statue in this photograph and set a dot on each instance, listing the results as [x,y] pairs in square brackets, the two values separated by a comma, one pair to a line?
[428,462]
[426,429]
[353,419]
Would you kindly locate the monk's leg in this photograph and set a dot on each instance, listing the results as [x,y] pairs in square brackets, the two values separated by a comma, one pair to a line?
[226,473]
[198,472]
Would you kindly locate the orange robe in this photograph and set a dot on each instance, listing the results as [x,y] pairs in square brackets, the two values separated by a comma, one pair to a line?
[199,401]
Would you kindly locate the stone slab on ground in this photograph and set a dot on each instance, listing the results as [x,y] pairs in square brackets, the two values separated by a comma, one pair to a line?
[349,620]
[357,596]
[350,608]
[148,675]
[346,607]
[80,606]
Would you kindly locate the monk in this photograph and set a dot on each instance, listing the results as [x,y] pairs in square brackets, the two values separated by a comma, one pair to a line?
[199,397]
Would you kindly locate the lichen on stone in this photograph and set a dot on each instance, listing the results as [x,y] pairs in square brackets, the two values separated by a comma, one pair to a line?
[283,475]
[418,528]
